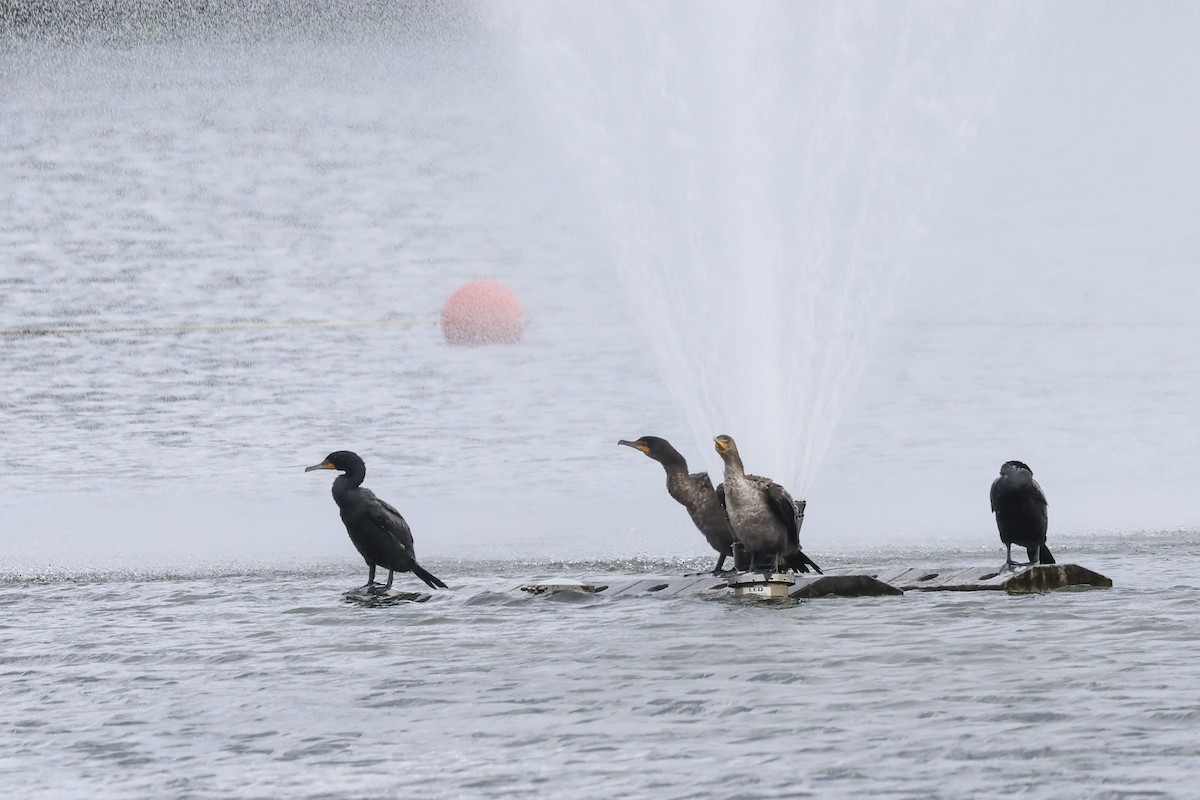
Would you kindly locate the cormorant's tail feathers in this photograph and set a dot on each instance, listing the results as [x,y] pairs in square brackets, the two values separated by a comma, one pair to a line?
[431,580]
[1046,556]
[798,561]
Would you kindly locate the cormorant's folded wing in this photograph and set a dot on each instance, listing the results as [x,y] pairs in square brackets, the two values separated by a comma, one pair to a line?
[389,520]
[1038,493]
[995,492]
[785,510]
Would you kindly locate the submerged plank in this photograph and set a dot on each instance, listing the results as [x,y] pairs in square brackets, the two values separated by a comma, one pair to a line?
[562,586]
[906,577]
[965,580]
[671,587]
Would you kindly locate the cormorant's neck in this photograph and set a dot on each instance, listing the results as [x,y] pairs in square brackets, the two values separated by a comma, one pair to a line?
[352,478]
[733,465]
[676,465]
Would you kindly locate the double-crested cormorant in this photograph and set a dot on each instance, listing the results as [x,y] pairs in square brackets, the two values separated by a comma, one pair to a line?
[1020,508]
[694,492]
[765,519]
[378,531]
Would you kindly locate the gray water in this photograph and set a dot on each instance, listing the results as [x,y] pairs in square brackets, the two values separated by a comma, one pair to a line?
[260,684]
[251,233]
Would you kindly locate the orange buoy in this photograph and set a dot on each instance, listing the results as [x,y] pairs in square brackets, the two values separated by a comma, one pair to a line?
[483,312]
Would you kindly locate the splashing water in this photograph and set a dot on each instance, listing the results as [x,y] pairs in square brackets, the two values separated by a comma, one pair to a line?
[764,170]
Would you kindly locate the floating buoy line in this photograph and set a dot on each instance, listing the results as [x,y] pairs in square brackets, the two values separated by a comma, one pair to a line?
[221,327]
[31,331]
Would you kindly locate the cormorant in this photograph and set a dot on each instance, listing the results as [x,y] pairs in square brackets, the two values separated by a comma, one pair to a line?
[694,492]
[765,519]
[1020,508]
[378,531]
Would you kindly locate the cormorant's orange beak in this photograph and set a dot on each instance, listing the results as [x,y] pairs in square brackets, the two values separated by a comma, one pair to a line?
[638,445]
[722,444]
[322,465]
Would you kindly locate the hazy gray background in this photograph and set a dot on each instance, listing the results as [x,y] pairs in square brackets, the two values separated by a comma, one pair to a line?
[361,170]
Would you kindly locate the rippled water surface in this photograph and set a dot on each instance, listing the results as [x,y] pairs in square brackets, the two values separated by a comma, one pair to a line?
[223,254]
[261,683]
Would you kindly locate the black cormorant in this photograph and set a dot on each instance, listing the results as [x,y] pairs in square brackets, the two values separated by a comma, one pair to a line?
[378,531]
[694,492]
[765,519]
[1020,508]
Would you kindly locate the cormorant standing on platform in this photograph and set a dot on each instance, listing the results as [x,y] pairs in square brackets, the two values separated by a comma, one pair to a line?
[378,531]
[765,519]
[694,492]
[1020,509]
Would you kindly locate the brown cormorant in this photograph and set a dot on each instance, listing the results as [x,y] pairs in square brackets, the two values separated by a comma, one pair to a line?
[1020,508]
[378,531]
[765,519]
[694,492]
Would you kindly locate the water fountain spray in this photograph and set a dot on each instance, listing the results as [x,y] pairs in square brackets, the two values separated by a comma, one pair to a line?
[764,171]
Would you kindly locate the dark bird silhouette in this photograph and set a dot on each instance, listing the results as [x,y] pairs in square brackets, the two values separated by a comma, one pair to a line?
[1020,509]
[765,518]
[694,492]
[379,533]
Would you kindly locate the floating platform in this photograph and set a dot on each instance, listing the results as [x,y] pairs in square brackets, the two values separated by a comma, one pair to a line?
[1023,580]
[803,586]
[891,581]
